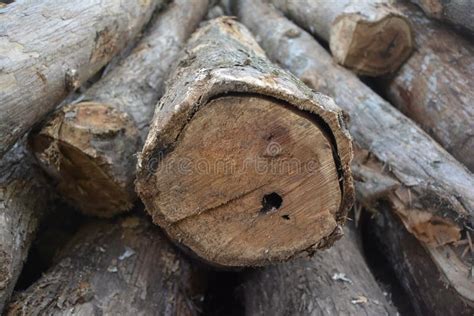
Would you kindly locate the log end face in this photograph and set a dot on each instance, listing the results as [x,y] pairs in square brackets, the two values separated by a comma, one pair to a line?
[250,181]
[371,48]
[89,149]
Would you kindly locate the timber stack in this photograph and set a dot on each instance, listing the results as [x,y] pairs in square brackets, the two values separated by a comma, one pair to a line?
[241,157]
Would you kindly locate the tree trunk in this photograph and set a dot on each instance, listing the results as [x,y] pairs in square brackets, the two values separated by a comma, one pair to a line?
[24,200]
[51,47]
[395,160]
[434,87]
[369,37]
[90,147]
[336,281]
[427,284]
[124,267]
[243,163]
[458,13]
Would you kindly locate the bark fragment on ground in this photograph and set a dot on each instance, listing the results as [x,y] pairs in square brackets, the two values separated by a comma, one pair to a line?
[228,166]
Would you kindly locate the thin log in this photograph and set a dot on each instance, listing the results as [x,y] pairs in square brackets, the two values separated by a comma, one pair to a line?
[24,200]
[49,48]
[90,147]
[243,163]
[426,187]
[336,281]
[458,13]
[434,87]
[124,267]
[369,37]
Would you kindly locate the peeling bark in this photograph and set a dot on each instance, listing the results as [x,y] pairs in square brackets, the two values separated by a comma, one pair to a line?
[434,87]
[228,109]
[90,147]
[24,200]
[49,48]
[335,281]
[125,267]
[369,37]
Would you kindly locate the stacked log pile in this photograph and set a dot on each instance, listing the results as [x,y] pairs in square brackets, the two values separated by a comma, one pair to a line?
[196,137]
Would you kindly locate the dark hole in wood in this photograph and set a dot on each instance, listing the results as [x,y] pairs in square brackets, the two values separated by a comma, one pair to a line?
[286,217]
[271,202]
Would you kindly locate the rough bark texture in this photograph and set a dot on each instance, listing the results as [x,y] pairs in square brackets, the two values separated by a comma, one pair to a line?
[125,267]
[395,160]
[426,283]
[219,113]
[459,12]
[369,37]
[336,281]
[90,147]
[434,87]
[24,200]
[49,48]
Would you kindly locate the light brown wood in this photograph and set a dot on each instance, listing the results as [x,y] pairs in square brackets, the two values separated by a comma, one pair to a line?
[248,166]
[49,48]
[369,37]
[90,147]
[122,267]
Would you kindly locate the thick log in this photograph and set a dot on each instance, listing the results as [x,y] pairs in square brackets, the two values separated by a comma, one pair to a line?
[24,201]
[369,37]
[243,163]
[51,47]
[458,13]
[336,281]
[123,267]
[434,87]
[90,147]
[427,284]
[396,161]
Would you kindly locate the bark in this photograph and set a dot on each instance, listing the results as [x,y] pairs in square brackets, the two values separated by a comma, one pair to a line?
[458,13]
[395,160]
[235,148]
[427,284]
[336,281]
[24,200]
[434,87]
[369,37]
[123,267]
[51,47]
[90,147]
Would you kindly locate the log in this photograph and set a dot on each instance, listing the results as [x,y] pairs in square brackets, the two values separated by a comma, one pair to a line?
[121,267]
[336,281]
[25,199]
[244,164]
[369,37]
[434,87]
[458,13]
[426,283]
[90,147]
[49,48]
[395,160]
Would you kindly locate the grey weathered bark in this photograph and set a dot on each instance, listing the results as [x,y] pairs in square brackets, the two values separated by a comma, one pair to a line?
[336,281]
[123,267]
[396,161]
[370,37]
[24,200]
[90,147]
[458,13]
[421,277]
[234,145]
[50,47]
[434,87]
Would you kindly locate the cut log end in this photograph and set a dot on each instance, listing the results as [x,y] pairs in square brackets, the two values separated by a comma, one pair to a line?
[90,149]
[371,48]
[249,180]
